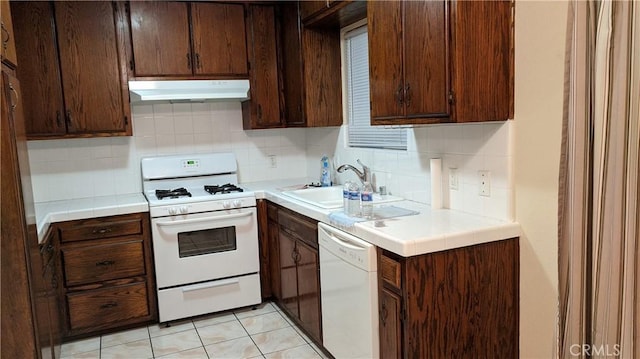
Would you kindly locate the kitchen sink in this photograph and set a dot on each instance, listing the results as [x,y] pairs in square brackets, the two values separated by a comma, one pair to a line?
[331,197]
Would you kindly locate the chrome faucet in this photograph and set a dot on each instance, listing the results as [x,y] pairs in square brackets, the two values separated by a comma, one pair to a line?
[364,175]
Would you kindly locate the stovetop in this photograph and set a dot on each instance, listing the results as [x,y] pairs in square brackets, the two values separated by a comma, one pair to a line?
[196,194]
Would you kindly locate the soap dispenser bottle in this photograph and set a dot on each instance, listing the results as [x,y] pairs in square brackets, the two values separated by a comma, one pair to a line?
[325,172]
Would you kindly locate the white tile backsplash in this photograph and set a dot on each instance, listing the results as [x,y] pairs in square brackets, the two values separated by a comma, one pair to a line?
[467,147]
[87,167]
[79,168]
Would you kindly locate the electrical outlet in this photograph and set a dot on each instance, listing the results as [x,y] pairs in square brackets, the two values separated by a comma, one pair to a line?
[273,161]
[453,178]
[484,183]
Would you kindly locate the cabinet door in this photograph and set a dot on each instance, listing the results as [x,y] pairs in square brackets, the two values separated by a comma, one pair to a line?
[90,66]
[39,70]
[219,41]
[288,276]
[426,75]
[385,59]
[309,289]
[263,109]
[390,305]
[8,50]
[160,36]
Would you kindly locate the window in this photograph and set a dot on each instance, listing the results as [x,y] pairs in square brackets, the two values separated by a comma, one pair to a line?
[360,132]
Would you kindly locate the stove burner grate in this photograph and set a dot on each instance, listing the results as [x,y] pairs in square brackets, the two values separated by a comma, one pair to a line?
[172,193]
[223,189]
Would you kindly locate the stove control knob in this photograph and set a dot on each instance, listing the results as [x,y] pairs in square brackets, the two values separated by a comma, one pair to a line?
[184,209]
[237,203]
[226,204]
[173,211]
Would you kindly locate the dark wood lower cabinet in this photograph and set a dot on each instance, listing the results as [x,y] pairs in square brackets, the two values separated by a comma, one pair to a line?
[295,268]
[108,273]
[459,303]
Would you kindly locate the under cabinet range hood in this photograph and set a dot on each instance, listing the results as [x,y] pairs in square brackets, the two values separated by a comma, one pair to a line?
[189,90]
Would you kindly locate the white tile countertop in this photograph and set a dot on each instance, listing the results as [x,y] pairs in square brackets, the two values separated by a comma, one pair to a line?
[429,231]
[84,208]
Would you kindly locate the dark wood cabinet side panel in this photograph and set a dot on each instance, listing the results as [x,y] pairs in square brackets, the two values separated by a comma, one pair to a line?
[219,40]
[16,311]
[265,249]
[39,71]
[430,303]
[463,302]
[322,79]
[482,37]
[90,67]
[160,38]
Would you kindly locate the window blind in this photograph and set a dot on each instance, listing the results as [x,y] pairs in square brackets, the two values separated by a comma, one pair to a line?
[360,132]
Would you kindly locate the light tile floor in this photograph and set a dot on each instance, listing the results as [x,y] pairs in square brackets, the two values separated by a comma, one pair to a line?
[243,333]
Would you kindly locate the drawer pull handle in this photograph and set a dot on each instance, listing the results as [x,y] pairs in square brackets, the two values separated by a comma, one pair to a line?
[105,263]
[102,230]
[109,305]
[383,314]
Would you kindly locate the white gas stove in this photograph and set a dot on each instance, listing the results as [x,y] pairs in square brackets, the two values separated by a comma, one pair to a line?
[204,233]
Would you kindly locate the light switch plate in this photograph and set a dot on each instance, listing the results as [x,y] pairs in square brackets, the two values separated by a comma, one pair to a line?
[453,178]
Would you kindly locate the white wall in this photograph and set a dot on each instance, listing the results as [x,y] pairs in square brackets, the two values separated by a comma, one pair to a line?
[77,168]
[467,147]
[539,60]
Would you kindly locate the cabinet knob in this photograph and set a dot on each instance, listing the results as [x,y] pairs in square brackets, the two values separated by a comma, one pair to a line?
[189,61]
[197,61]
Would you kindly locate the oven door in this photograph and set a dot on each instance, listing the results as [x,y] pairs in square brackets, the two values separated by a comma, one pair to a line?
[204,246]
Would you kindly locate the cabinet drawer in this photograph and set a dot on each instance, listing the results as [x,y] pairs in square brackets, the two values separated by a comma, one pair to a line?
[107,305]
[97,228]
[102,262]
[299,227]
[390,271]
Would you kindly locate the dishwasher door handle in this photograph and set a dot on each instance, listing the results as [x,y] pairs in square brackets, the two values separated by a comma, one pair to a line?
[343,241]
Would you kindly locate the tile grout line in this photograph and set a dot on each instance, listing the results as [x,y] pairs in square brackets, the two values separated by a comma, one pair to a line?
[250,337]
[200,338]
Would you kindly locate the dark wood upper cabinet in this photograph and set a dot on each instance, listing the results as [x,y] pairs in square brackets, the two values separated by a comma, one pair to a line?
[332,13]
[160,38]
[440,61]
[74,68]
[408,61]
[40,70]
[311,72]
[263,110]
[8,49]
[182,39]
[219,40]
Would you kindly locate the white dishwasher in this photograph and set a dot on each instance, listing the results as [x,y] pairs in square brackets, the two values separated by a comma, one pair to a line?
[349,292]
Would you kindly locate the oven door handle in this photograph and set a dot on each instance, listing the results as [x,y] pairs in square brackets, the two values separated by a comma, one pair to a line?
[206,219]
[220,283]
